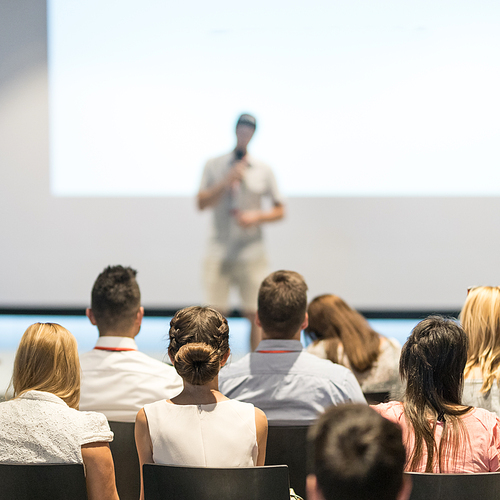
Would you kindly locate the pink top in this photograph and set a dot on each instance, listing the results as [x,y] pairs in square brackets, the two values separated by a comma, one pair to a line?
[480,454]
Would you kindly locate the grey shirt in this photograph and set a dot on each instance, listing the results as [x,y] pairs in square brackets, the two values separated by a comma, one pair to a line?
[228,240]
[290,385]
[473,396]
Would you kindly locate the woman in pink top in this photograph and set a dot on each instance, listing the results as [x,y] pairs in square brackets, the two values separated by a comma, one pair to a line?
[441,434]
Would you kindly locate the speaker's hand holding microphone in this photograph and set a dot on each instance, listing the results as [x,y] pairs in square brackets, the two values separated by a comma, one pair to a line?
[235,177]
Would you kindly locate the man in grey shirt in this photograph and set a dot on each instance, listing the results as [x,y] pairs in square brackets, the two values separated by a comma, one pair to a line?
[289,384]
[234,186]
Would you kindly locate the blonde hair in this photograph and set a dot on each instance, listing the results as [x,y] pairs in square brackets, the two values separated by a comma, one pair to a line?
[480,318]
[47,360]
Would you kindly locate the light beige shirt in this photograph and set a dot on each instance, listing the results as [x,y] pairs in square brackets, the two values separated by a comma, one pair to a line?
[228,240]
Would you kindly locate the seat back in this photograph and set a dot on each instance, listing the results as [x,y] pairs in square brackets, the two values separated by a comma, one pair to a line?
[127,468]
[287,445]
[374,398]
[172,482]
[484,486]
[42,481]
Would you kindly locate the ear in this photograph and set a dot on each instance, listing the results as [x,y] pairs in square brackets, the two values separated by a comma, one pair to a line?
[312,489]
[305,323]
[140,315]
[406,486]
[224,359]
[257,320]
[172,358]
[90,315]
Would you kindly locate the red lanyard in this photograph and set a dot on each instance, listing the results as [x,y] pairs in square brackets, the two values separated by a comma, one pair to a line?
[116,349]
[272,352]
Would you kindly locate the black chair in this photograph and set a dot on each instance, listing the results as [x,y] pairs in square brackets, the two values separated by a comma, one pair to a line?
[172,482]
[42,482]
[480,486]
[127,468]
[287,445]
[374,398]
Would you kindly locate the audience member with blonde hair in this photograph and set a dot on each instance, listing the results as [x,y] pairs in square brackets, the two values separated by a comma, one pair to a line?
[480,318]
[342,335]
[200,426]
[42,424]
[441,434]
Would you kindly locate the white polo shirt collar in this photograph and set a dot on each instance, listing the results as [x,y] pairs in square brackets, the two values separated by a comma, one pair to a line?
[116,344]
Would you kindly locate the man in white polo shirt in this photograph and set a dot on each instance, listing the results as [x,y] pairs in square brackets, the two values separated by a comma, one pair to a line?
[234,186]
[117,379]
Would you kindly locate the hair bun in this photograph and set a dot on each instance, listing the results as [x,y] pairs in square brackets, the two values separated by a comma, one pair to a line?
[197,363]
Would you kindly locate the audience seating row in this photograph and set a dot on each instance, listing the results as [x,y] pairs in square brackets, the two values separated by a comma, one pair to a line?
[169,482]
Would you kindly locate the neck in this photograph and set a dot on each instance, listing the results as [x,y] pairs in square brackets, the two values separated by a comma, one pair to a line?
[200,394]
[270,336]
[130,333]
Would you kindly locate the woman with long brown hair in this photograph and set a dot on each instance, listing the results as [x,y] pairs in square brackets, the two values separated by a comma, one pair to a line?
[480,318]
[440,433]
[342,335]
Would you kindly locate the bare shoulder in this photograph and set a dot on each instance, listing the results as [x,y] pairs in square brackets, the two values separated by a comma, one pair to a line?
[260,418]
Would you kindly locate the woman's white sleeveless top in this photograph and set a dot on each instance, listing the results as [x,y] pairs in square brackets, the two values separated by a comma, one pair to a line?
[214,435]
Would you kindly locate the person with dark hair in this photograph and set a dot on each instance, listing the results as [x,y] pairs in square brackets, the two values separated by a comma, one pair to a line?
[440,433]
[289,384]
[200,426]
[355,454]
[342,335]
[234,186]
[117,379]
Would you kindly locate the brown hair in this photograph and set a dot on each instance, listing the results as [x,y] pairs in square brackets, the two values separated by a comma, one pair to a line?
[116,298]
[334,322]
[480,318]
[432,364]
[47,360]
[282,303]
[199,340]
[356,453]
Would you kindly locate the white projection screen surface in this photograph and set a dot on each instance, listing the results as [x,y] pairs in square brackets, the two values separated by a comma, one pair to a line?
[372,98]
[378,118]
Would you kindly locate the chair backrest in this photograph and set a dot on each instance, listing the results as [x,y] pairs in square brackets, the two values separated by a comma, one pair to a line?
[287,445]
[42,482]
[127,468]
[172,482]
[374,398]
[483,486]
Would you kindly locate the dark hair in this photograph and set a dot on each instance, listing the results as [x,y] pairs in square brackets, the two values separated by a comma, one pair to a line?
[282,303]
[247,120]
[116,298]
[334,322]
[356,454]
[432,364]
[199,339]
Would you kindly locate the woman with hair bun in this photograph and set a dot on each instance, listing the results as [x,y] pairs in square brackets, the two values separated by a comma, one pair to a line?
[200,426]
